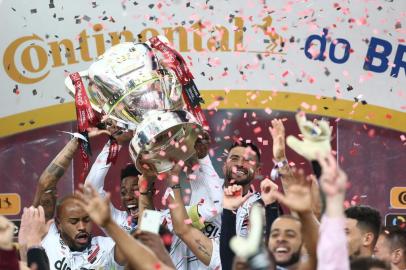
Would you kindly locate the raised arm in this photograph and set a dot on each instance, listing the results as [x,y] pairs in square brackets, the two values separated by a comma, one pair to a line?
[197,242]
[100,167]
[285,172]
[126,245]
[99,170]
[145,187]
[45,193]
[332,252]
[298,198]
[205,184]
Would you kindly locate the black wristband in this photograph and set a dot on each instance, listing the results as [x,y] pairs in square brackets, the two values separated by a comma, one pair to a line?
[177,186]
[148,192]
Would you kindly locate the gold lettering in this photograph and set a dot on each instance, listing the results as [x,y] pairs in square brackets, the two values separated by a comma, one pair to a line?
[99,38]
[10,65]
[84,46]
[56,52]
[143,37]
[197,36]
[238,34]
[182,34]
[214,45]
[27,60]
[116,37]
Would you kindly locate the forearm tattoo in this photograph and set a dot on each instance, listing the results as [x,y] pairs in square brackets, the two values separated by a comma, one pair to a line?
[202,248]
[55,170]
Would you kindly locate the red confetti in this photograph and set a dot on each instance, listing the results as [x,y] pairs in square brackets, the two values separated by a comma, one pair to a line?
[257,130]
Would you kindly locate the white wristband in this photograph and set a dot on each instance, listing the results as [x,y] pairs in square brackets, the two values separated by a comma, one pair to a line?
[275,171]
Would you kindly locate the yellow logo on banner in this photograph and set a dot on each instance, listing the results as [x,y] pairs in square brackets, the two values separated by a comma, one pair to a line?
[10,204]
[398,197]
[29,59]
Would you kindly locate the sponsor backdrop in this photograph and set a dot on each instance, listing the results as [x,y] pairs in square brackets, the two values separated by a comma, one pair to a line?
[252,61]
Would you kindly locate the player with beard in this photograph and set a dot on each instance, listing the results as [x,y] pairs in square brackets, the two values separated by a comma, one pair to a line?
[391,247]
[69,243]
[290,235]
[240,168]
[362,229]
[285,241]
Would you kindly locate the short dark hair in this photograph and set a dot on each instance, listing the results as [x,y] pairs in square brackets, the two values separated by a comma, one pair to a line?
[129,170]
[64,200]
[396,237]
[243,143]
[366,263]
[368,219]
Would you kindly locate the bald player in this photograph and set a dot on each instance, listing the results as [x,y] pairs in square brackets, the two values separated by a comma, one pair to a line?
[69,243]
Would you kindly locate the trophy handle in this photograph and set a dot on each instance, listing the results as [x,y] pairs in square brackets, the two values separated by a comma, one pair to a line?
[68,81]
[72,90]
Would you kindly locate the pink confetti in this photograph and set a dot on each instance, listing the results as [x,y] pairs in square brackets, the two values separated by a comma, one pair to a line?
[181,163]
[305,105]
[188,221]
[268,111]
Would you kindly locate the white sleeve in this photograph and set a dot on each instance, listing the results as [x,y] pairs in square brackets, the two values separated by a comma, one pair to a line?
[207,190]
[215,262]
[51,237]
[99,170]
[109,245]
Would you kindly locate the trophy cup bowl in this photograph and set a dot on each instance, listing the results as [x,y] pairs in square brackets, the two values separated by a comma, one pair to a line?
[131,85]
[164,137]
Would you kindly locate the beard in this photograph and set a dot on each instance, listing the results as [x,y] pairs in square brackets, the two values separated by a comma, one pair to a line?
[292,260]
[72,244]
[355,255]
[241,182]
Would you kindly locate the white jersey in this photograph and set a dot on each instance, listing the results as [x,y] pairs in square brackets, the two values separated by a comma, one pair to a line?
[99,255]
[96,177]
[242,216]
[207,193]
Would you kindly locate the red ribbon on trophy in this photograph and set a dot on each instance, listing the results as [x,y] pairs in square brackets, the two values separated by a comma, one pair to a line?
[190,92]
[86,118]
[113,151]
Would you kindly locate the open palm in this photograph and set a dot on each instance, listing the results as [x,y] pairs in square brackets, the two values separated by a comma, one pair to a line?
[298,198]
[97,207]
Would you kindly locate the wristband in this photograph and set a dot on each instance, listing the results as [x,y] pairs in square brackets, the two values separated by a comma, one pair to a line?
[35,247]
[275,171]
[148,192]
[177,186]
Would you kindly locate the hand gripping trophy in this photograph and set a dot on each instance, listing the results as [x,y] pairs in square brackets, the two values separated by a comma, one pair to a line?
[146,88]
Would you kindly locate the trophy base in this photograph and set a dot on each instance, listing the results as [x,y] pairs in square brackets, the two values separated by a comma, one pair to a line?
[162,138]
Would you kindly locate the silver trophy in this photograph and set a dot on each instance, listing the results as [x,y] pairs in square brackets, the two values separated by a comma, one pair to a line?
[132,85]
